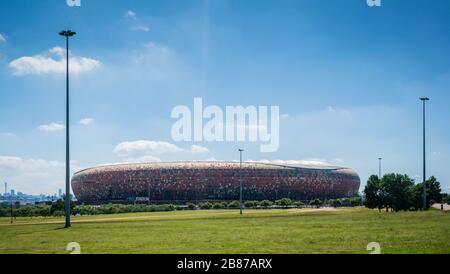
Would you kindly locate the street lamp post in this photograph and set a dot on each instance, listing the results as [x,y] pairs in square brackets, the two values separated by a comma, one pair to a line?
[424,100]
[11,202]
[12,211]
[67,34]
[379,168]
[240,180]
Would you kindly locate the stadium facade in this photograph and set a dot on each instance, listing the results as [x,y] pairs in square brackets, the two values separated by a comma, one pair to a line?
[180,182]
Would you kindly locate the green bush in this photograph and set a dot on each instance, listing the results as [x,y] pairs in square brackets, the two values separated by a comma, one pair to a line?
[336,203]
[284,202]
[220,205]
[58,213]
[298,203]
[355,201]
[316,202]
[206,205]
[266,203]
[191,206]
[251,204]
[233,204]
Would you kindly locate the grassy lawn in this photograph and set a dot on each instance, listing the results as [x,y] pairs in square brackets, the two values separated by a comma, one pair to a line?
[224,231]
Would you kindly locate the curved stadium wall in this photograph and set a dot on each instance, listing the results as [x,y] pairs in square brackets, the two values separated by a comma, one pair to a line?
[179,182]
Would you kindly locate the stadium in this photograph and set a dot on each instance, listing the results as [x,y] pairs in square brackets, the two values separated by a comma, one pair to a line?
[180,182]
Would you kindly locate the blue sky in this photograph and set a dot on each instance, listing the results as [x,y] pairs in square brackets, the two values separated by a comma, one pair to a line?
[346,77]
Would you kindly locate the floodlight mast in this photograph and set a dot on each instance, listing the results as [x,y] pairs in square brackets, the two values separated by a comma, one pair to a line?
[379,167]
[240,180]
[67,34]
[424,206]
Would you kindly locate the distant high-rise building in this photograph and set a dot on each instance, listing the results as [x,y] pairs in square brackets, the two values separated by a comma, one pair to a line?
[6,188]
[60,193]
[13,193]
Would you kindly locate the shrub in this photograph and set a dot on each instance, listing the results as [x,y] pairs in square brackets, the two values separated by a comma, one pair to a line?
[206,205]
[355,201]
[336,203]
[285,202]
[58,213]
[191,206]
[219,205]
[251,204]
[299,203]
[265,203]
[316,202]
[233,204]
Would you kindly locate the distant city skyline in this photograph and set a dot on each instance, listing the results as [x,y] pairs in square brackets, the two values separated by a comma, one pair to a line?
[347,79]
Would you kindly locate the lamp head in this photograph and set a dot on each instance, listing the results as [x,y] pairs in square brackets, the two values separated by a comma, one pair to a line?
[424,98]
[67,33]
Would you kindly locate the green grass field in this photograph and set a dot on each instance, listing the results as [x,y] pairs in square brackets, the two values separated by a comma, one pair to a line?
[224,231]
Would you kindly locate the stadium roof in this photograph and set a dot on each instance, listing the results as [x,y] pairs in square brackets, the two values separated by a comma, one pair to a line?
[209,164]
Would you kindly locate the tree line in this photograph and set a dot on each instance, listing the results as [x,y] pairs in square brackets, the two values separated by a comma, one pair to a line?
[56,208]
[397,192]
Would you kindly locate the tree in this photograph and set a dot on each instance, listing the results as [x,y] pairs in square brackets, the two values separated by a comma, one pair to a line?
[433,193]
[446,198]
[336,203]
[316,202]
[399,190]
[355,201]
[374,193]
[57,206]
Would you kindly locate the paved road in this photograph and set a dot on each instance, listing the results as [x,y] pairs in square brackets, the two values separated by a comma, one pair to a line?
[438,206]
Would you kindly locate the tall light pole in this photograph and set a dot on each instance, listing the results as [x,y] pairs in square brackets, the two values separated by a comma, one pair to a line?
[379,168]
[67,34]
[424,100]
[240,180]
[11,201]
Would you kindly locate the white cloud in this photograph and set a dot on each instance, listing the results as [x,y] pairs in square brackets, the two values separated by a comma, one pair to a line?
[2,38]
[284,116]
[130,14]
[150,151]
[145,147]
[341,111]
[199,149]
[86,121]
[34,176]
[52,62]
[141,28]
[7,134]
[51,127]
